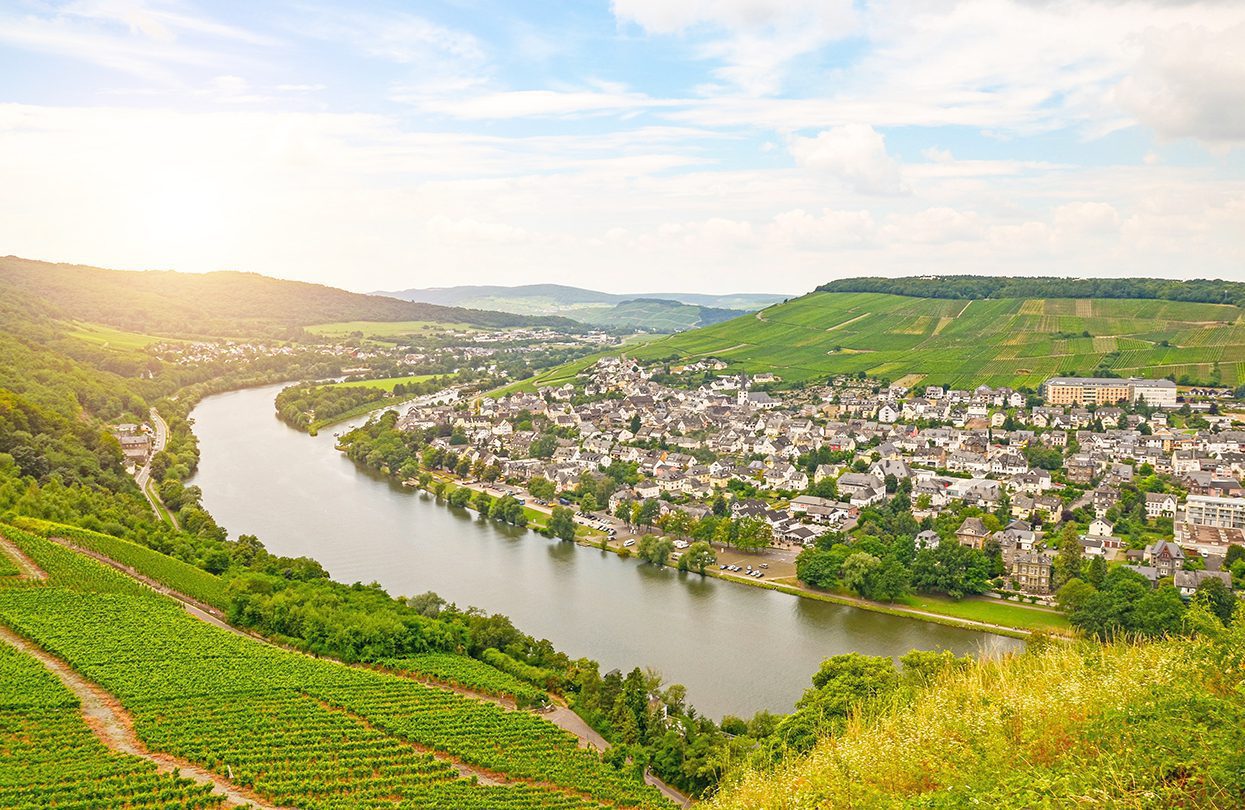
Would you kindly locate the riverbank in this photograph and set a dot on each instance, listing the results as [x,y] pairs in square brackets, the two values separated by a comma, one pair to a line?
[973,613]
[737,650]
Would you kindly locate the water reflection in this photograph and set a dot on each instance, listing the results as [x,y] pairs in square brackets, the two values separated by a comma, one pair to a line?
[736,648]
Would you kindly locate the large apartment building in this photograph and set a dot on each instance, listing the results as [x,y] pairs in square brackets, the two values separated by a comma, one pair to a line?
[1208,510]
[1108,391]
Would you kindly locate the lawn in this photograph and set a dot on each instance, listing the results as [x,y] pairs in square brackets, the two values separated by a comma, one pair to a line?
[387,383]
[1008,614]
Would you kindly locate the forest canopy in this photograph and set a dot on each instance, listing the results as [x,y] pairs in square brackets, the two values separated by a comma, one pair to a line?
[977,287]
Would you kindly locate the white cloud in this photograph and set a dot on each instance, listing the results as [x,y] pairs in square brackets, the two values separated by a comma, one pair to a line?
[1087,218]
[756,40]
[150,40]
[1190,82]
[856,154]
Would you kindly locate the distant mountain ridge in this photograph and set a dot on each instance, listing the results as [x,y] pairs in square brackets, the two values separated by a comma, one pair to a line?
[654,311]
[219,303]
[566,294]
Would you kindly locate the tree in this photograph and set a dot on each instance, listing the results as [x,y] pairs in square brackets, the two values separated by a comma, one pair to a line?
[655,549]
[951,569]
[1215,597]
[562,523]
[623,511]
[588,503]
[1160,612]
[839,686]
[719,506]
[1096,571]
[698,557]
[821,567]
[888,583]
[1074,594]
[1068,560]
[856,569]
[648,513]
[541,487]
[753,533]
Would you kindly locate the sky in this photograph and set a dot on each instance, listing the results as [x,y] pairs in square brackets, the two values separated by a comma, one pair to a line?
[630,146]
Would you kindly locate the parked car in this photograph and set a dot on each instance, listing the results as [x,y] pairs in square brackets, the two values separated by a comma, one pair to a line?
[628,543]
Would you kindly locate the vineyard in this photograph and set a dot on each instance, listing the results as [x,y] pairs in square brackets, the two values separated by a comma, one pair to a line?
[8,568]
[169,571]
[49,758]
[294,729]
[1007,341]
[471,674]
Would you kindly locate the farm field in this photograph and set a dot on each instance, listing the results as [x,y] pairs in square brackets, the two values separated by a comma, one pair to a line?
[388,328]
[1012,342]
[115,339]
[387,383]
[297,730]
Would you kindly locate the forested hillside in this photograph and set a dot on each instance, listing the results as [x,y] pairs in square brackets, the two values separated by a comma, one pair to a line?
[970,287]
[222,303]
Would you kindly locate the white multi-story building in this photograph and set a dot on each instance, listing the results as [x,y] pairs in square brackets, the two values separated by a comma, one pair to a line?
[1109,391]
[1208,510]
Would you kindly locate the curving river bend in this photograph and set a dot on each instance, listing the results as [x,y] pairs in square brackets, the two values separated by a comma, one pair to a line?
[737,649]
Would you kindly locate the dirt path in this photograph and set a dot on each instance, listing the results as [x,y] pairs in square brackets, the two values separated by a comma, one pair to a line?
[26,565]
[113,725]
[848,321]
[561,716]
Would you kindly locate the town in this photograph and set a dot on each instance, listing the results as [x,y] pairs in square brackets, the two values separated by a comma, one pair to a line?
[1128,472]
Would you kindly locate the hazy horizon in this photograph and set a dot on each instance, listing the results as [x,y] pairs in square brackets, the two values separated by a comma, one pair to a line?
[631,146]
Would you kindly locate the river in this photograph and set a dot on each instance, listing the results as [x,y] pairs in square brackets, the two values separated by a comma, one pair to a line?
[738,649]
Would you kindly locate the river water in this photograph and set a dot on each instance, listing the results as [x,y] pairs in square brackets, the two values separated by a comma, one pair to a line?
[736,648]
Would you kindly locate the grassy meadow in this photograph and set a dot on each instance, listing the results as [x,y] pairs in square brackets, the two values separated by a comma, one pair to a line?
[115,339]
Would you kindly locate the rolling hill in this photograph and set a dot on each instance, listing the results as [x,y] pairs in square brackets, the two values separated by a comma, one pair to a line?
[666,312]
[961,342]
[221,303]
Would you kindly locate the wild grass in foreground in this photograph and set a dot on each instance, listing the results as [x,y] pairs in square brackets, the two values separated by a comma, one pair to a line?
[1159,724]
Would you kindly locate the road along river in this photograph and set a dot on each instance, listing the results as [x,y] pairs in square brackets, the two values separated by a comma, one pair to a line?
[736,648]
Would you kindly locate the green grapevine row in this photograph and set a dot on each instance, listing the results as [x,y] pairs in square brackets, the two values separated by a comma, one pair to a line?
[66,568]
[471,674]
[298,730]
[8,568]
[170,571]
[49,758]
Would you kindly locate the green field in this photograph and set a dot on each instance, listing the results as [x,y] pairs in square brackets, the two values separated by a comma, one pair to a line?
[388,328]
[1014,342]
[1006,614]
[387,383]
[117,339]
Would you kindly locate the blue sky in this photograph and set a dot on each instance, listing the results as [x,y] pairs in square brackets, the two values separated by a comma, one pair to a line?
[635,145]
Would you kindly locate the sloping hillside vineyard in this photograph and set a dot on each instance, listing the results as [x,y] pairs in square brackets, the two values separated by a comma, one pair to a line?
[296,730]
[1008,341]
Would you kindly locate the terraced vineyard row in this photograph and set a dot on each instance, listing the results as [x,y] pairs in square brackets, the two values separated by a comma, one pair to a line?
[180,576]
[295,729]
[470,674]
[8,568]
[49,758]
[997,342]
